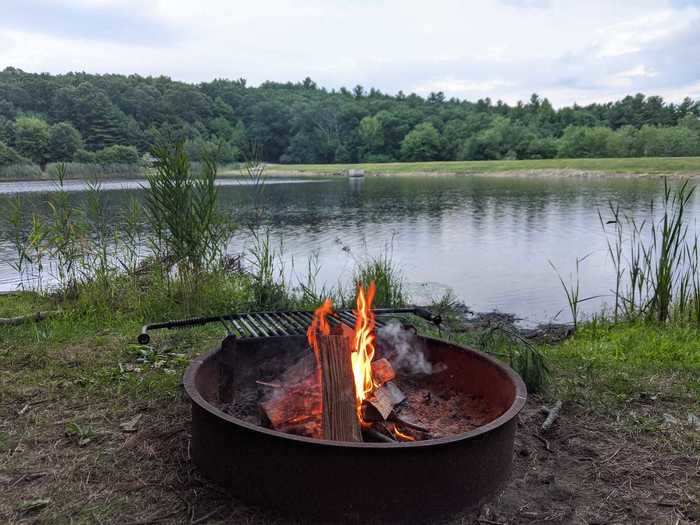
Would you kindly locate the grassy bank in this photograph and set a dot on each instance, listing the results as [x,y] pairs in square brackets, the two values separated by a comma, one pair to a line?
[70,387]
[642,165]
[74,170]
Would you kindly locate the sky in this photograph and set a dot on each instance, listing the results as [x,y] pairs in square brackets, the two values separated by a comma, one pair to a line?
[567,51]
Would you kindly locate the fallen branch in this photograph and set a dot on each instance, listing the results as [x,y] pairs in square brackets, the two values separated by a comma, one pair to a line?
[553,414]
[21,319]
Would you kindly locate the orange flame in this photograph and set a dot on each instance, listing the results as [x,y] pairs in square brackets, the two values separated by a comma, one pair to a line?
[400,435]
[363,349]
[362,345]
[319,324]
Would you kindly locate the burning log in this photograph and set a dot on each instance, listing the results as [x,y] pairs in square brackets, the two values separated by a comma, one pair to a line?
[295,410]
[382,403]
[339,416]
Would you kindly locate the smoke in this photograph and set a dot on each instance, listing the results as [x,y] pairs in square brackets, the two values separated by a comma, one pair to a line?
[403,349]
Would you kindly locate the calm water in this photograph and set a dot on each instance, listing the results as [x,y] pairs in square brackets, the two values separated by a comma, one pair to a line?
[488,239]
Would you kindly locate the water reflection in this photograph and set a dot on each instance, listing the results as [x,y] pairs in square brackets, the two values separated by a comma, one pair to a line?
[487,238]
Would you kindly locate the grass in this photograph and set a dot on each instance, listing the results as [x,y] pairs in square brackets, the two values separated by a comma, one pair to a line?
[74,170]
[643,165]
[67,384]
[610,363]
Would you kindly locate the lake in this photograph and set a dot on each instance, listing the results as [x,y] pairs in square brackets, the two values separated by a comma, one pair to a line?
[489,239]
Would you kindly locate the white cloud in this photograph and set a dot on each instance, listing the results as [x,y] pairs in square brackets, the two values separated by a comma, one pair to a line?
[632,36]
[462,88]
[476,49]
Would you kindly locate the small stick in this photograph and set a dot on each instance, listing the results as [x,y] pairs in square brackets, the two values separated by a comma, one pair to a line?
[553,413]
[378,435]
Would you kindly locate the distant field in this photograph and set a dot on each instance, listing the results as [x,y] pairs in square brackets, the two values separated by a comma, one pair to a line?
[651,165]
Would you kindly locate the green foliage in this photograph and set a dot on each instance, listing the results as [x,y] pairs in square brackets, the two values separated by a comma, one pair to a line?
[422,143]
[303,123]
[32,139]
[372,136]
[182,209]
[9,156]
[85,156]
[386,275]
[64,142]
[117,154]
[585,142]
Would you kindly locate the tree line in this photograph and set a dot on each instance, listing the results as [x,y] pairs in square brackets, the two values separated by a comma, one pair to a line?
[110,118]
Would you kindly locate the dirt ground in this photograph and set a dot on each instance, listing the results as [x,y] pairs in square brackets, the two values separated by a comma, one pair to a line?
[589,468]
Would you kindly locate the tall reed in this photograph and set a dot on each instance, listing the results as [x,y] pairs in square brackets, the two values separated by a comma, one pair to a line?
[190,232]
[656,261]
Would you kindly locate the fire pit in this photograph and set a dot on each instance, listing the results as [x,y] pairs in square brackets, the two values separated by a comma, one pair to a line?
[448,450]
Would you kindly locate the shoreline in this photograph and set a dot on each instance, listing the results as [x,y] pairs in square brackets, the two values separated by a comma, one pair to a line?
[524,173]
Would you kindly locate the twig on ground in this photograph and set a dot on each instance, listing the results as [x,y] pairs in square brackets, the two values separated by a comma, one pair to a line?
[611,456]
[553,414]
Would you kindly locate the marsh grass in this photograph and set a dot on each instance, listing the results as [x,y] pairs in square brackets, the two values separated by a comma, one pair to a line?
[572,289]
[386,275]
[655,260]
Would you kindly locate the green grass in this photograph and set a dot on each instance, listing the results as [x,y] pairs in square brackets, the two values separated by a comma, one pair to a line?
[609,364]
[79,375]
[650,165]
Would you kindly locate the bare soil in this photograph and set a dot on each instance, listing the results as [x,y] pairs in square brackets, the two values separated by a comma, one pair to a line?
[589,468]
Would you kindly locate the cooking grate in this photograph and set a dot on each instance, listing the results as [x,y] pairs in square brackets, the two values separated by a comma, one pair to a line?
[278,324]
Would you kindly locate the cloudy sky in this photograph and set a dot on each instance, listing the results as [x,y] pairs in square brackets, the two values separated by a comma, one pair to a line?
[568,51]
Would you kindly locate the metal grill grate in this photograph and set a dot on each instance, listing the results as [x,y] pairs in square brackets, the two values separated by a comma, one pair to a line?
[277,324]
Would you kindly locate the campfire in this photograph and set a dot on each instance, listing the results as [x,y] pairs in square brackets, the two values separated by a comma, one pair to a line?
[291,398]
[341,391]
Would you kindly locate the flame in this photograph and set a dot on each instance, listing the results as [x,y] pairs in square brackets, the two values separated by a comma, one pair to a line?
[400,435]
[362,344]
[363,349]
[319,324]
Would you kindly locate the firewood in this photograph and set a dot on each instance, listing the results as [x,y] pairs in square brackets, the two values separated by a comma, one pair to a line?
[378,436]
[295,409]
[339,415]
[382,371]
[380,405]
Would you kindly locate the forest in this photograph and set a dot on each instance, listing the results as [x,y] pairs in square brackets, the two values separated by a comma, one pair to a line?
[116,119]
